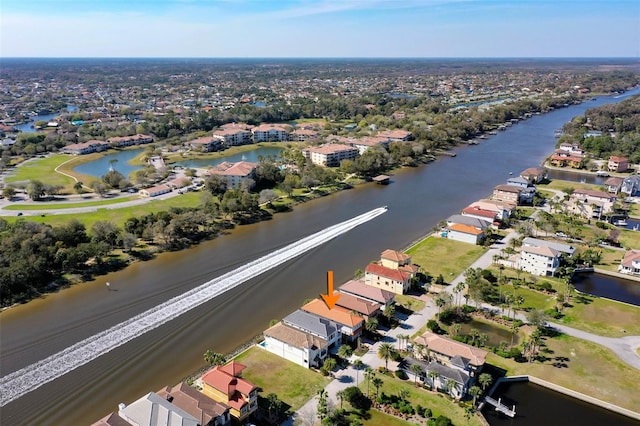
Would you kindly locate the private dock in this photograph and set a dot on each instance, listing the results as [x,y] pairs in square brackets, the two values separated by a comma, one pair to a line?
[500,407]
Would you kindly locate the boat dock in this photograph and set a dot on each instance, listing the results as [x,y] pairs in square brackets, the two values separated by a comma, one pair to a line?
[499,406]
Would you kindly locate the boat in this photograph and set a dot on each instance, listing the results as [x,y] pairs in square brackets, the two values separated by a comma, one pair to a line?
[620,222]
[602,173]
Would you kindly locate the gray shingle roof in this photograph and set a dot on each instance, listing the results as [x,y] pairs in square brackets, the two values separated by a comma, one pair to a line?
[311,323]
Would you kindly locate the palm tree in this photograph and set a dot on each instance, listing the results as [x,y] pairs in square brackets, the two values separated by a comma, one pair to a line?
[386,352]
[341,394]
[449,385]
[485,380]
[377,382]
[323,407]
[369,374]
[371,325]
[358,365]
[345,352]
[474,392]
[433,376]
[483,339]
[455,329]
[403,394]
[214,358]
[416,370]
[514,330]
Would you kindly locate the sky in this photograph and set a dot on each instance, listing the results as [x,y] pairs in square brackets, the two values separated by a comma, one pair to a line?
[320,28]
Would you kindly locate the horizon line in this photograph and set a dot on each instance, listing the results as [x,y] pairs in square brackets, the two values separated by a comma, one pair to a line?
[321,57]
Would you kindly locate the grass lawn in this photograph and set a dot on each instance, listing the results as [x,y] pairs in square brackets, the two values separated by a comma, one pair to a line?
[602,316]
[584,367]
[42,169]
[380,418]
[532,299]
[409,302]
[117,216]
[561,185]
[53,205]
[629,239]
[443,256]
[293,384]
[438,403]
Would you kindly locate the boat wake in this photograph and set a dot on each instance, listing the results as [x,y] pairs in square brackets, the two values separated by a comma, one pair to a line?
[25,380]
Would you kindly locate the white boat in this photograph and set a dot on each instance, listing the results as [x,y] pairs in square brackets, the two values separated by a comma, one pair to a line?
[620,222]
[602,173]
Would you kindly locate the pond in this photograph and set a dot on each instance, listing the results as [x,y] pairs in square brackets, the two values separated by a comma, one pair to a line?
[495,333]
[252,156]
[118,160]
[592,178]
[615,288]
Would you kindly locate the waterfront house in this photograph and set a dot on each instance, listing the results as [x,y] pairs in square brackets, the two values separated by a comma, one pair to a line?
[567,249]
[534,174]
[451,353]
[564,160]
[151,409]
[373,294]
[507,193]
[121,141]
[386,278]
[518,181]
[233,136]
[465,233]
[469,220]
[539,260]
[224,384]
[330,155]
[631,185]
[208,411]
[479,213]
[613,184]
[295,345]
[590,203]
[271,133]
[398,260]
[350,326]
[235,174]
[437,375]
[501,209]
[618,164]
[362,307]
[315,325]
[205,144]
[154,191]
[630,264]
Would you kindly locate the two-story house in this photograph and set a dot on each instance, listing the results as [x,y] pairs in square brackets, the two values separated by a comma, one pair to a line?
[295,345]
[534,175]
[350,326]
[507,193]
[590,203]
[373,294]
[543,261]
[630,264]
[388,279]
[630,185]
[223,383]
[618,164]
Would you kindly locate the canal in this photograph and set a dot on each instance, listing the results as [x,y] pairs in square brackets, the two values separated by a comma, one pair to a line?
[611,287]
[417,198]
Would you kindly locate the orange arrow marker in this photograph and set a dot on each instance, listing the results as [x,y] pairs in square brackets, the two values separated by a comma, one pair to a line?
[330,298]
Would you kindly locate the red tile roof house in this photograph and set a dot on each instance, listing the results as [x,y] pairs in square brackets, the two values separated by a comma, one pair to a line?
[363,307]
[479,213]
[630,263]
[271,133]
[591,204]
[373,294]
[206,144]
[465,233]
[206,410]
[232,137]
[235,173]
[618,164]
[363,144]
[502,209]
[388,279]
[351,326]
[224,384]
[396,135]
[447,351]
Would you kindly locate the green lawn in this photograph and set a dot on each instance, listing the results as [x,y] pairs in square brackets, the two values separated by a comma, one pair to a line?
[409,302]
[443,256]
[293,384]
[42,169]
[53,205]
[584,367]
[117,216]
[602,316]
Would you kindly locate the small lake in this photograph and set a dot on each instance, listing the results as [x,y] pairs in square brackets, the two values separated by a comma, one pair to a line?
[28,127]
[252,156]
[615,288]
[101,166]
[539,406]
[495,333]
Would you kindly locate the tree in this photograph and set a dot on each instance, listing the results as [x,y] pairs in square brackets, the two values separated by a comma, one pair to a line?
[433,376]
[35,190]
[106,232]
[389,312]
[341,394]
[537,318]
[9,192]
[274,405]
[450,384]
[214,358]
[345,352]
[328,365]
[377,383]
[403,394]
[485,380]
[416,370]
[323,407]
[78,187]
[369,374]
[371,325]
[474,391]
[386,352]
[99,188]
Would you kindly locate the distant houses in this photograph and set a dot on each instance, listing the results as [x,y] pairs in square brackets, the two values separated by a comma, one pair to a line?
[331,154]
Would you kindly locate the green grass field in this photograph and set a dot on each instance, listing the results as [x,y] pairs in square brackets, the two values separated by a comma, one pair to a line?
[602,316]
[61,206]
[42,169]
[443,256]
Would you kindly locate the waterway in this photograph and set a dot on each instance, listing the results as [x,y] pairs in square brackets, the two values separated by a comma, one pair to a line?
[28,127]
[418,198]
[615,288]
[252,156]
[537,406]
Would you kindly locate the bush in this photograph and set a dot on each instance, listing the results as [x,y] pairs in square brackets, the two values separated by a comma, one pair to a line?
[434,326]
[511,353]
[400,374]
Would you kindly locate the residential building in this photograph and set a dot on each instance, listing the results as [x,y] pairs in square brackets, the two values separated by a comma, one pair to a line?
[208,411]
[295,345]
[388,279]
[564,160]
[542,260]
[233,136]
[631,185]
[443,373]
[630,264]
[152,409]
[452,353]
[613,184]
[567,249]
[363,307]
[518,181]
[368,142]
[206,144]
[398,260]
[223,383]
[351,326]
[534,174]
[465,233]
[154,191]
[479,213]
[301,135]
[618,164]
[501,209]
[271,133]
[507,193]
[330,155]
[140,139]
[468,220]
[373,294]
[83,148]
[396,135]
[323,328]
[591,204]
[236,174]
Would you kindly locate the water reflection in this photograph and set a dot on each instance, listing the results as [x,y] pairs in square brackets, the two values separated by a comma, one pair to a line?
[615,288]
